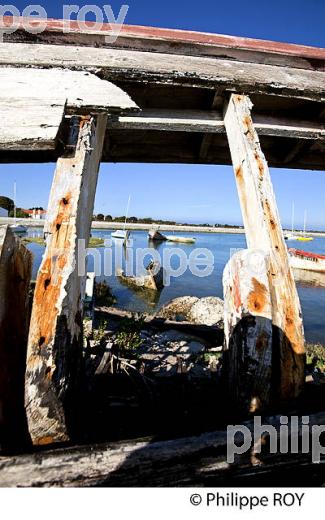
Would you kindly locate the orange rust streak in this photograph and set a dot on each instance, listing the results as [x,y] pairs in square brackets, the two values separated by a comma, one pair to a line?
[257,298]
[236,294]
[248,124]
[49,280]
[260,164]
[43,441]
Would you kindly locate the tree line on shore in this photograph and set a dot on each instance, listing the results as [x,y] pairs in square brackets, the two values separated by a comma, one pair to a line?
[100,217]
[9,205]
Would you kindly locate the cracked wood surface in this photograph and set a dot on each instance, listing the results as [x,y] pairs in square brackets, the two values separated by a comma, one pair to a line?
[55,338]
[33,103]
[15,274]
[264,234]
[124,65]
[248,331]
[190,461]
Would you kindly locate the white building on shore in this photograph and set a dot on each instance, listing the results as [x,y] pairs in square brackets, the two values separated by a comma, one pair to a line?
[35,214]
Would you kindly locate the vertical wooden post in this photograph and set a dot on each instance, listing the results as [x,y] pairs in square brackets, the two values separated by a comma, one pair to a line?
[15,274]
[264,232]
[248,331]
[55,339]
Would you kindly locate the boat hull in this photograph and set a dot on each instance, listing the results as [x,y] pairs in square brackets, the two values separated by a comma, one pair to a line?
[307,261]
[120,235]
[181,240]
[19,230]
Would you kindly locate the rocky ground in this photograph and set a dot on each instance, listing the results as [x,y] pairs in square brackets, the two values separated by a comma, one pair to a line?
[168,352]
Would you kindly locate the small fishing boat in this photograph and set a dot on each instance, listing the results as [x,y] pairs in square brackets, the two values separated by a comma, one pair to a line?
[155,235]
[182,240]
[307,261]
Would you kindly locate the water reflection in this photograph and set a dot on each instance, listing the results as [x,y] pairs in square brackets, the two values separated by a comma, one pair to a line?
[311,285]
[309,278]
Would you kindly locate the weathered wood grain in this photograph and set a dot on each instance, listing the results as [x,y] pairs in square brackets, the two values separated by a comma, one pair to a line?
[264,232]
[191,461]
[118,64]
[55,338]
[248,330]
[211,121]
[15,274]
[33,103]
[156,39]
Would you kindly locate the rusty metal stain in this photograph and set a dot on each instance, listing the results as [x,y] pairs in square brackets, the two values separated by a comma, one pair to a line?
[47,290]
[260,164]
[43,441]
[249,129]
[239,171]
[257,298]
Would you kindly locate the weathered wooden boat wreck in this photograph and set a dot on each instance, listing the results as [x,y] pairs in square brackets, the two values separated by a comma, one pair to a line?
[155,95]
[306,260]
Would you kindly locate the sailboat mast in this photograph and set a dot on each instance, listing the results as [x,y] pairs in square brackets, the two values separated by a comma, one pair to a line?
[15,201]
[305,219]
[127,212]
[292,217]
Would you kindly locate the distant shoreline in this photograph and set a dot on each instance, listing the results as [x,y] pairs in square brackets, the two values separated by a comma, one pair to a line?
[146,227]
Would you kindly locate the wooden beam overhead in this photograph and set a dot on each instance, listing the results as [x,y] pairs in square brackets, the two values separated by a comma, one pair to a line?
[213,73]
[33,103]
[211,121]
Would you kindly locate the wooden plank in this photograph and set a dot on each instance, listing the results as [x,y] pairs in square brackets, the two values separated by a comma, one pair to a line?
[123,65]
[190,461]
[15,274]
[156,39]
[33,103]
[248,331]
[55,339]
[82,92]
[211,121]
[264,232]
[30,124]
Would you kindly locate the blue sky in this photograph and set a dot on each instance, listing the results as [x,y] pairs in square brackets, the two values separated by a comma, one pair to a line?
[194,193]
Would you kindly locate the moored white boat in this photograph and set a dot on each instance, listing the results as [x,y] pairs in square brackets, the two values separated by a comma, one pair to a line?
[307,261]
[18,229]
[121,234]
[182,240]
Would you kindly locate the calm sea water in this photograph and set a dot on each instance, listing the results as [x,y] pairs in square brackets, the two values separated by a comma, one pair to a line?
[311,287]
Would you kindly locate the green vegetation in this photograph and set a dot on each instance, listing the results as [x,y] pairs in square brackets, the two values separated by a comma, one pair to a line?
[93,242]
[96,242]
[6,203]
[150,221]
[128,338]
[316,351]
[19,213]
